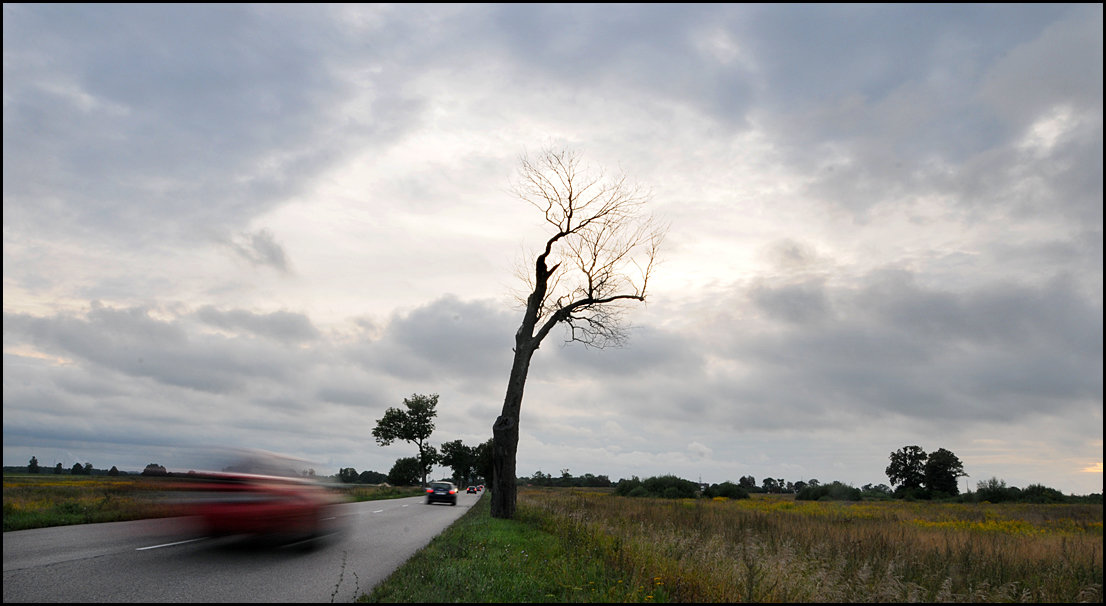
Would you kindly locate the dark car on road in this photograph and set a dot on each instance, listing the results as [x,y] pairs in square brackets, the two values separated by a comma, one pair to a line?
[471,490]
[441,492]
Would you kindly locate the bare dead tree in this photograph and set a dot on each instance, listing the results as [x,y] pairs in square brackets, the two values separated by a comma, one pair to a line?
[597,262]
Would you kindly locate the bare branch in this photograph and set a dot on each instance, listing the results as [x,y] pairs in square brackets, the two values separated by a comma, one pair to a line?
[601,253]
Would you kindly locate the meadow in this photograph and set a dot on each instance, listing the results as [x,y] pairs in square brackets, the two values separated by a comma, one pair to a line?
[580,545]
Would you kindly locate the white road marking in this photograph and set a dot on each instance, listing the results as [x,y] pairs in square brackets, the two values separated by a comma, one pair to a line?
[378,511]
[169,544]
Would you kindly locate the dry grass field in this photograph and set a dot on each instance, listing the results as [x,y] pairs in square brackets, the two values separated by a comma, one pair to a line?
[772,548]
[41,500]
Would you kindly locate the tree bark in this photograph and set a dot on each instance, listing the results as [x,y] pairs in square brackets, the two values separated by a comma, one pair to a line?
[505,432]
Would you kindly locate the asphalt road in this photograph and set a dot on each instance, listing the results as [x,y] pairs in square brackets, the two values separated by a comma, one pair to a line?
[164,561]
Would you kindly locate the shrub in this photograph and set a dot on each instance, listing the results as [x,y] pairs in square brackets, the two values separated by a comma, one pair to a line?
[728,490]
[638,491]
[1037,493]
[671,487]
[835,491]
[624,487]
[666,487]
[996,491]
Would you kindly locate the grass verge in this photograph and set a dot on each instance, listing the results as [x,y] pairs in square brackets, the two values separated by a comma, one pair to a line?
[484,559]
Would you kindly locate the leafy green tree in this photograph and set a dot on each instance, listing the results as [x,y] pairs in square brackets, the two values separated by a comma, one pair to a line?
[153,469]
[461,460]
[413,425]
[484,468]
[1039,493]
[405,472]
[347,475]
[671,487]
[32,465]
[994,490]
[372,477]
[114,471]
[625,487]
[728,490]
[428,458]
[77,470]
[598,259]
[907,468]
[541,479]
[942,468]
[57,469]
[834,491]
[747,482]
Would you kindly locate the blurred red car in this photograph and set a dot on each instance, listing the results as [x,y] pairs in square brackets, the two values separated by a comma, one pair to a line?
[261,495]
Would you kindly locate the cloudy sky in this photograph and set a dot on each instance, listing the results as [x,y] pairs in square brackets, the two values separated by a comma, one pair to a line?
[261,226]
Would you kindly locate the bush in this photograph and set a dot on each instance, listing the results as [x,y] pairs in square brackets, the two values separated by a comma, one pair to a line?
[996,491]
[728,490]
[1036,493]
[665,487]
[829,492]
[671,487]
[638,491]
[624,487]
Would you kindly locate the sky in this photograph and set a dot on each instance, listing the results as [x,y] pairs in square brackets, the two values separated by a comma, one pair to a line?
[261,226]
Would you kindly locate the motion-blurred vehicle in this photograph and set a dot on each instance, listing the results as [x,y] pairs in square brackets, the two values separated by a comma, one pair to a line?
[471,490]
[261,494]
[441,492]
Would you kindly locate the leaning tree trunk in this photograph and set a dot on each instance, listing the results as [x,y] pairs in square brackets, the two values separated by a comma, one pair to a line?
[505,431]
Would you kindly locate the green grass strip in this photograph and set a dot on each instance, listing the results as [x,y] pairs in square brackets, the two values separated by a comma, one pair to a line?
[484,559]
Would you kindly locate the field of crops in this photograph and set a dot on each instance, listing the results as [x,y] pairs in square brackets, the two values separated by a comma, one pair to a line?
[774,549]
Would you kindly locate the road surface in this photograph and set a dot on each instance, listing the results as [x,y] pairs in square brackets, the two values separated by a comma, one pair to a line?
[159,561]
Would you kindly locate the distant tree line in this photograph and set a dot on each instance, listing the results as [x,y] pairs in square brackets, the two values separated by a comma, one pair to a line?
[565,479]
[914,474]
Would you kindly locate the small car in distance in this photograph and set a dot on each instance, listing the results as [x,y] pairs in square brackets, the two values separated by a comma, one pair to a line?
[441,492]
[471,490]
